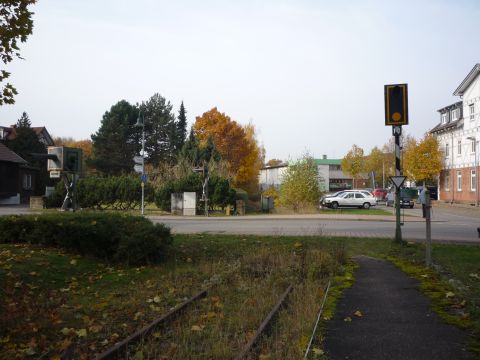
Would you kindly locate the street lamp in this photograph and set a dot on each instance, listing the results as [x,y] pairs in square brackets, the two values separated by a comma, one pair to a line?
[475,142]
[141,123]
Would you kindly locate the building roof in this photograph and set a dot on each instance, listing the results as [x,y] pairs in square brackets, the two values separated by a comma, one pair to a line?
[328,161]
[456,105]
[468,80]
[41,131]
[8,155]
[450,126]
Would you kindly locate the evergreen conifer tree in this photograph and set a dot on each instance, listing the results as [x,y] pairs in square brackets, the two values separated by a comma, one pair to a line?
[181,127]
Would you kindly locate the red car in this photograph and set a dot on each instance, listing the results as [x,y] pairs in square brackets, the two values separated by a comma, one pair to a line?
[380,194]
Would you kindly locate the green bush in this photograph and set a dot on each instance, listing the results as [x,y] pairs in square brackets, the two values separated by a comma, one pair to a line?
[112,237]
[114,192]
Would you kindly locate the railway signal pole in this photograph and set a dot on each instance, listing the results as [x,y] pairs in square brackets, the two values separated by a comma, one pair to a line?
[396,115]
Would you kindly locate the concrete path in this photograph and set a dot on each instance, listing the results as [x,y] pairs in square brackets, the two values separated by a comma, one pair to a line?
[397,322]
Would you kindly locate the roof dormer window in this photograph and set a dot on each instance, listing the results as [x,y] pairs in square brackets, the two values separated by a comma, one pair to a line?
[454,114]
[444,118]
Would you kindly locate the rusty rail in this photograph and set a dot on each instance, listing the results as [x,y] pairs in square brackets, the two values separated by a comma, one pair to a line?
[117,348]
[264,324]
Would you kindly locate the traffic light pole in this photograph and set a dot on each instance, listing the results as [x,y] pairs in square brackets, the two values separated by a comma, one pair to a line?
[397,131]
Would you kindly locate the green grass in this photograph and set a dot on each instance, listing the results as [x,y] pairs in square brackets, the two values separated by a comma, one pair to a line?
[62,294]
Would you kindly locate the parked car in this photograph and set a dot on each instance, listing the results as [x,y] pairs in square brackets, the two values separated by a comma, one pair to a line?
[405,199]
[380,194]
[352,198]
[338,193]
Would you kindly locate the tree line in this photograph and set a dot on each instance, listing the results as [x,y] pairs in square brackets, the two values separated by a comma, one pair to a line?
[421,160]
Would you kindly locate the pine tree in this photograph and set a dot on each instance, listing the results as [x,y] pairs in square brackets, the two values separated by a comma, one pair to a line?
[117,141]
[160,130]
[181,127]
[190,150]
[26,141]
[24,121]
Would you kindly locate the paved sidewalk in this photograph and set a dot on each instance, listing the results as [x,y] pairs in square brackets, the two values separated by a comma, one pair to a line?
[397,322]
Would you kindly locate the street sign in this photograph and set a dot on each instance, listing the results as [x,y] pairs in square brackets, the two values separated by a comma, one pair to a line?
[138,168]
[138,159]
[398,180]
[54,174]
[396,104]
[144,178]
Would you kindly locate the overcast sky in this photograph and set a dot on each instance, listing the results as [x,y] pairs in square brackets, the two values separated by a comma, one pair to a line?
[308,74]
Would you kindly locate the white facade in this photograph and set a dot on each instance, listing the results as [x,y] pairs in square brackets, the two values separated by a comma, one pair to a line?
[458,134]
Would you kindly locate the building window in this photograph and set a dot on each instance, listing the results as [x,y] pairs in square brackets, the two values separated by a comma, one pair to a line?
[459,180]
[472,111]
[473,180]
[444,118]
[2,134]
[447,181]
[27,181]
[447,150]
[459,150]
[473,147]
[454,114]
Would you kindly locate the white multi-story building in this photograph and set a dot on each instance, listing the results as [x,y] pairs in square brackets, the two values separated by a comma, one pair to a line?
[459,133]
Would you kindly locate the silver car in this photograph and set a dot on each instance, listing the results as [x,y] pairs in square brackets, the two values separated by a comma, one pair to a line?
[360,199]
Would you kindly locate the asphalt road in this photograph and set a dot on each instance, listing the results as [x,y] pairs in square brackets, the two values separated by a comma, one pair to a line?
[449,225]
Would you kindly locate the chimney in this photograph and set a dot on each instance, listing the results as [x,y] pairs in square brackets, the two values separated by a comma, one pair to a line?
[324,157]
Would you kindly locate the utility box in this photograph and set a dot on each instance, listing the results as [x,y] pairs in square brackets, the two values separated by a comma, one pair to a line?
[69,159]
[189,203]
[184,203]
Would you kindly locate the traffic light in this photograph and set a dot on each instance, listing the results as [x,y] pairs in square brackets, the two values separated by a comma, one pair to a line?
[396,104]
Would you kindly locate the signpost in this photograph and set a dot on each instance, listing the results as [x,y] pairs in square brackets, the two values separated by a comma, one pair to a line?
[396,115]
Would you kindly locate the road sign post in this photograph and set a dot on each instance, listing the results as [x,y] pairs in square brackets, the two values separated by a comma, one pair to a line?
[396,115]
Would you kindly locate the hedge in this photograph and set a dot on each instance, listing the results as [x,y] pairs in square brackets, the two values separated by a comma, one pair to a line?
[114,192]
[112,237]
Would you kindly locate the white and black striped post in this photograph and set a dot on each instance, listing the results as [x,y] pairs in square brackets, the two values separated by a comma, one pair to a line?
[397,132]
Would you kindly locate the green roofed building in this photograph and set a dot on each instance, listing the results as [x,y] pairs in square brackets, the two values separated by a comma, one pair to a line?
[331,176]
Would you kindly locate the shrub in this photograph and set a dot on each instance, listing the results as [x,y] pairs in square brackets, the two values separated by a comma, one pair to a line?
[112,237]
[114,192]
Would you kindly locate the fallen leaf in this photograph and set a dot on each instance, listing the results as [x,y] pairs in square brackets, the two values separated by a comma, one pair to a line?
[358,313]
[347,319]
[156,299]
[449,294]
[196,328]
[318,351]
[67,331]
[73,262]
[264,356]
[297,245]
[81,333]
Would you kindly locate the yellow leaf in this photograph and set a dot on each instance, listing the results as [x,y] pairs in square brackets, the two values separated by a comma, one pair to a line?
[196,328]
[156,299]
[297,244]
[81,333]
[264,356]
[317,351]
[211,315]
[449,294]
[73,262]
[157,334]
[358,313]
[347,319]
[67,331]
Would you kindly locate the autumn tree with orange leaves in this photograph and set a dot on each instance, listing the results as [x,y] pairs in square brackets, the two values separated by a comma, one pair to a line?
[236,144]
